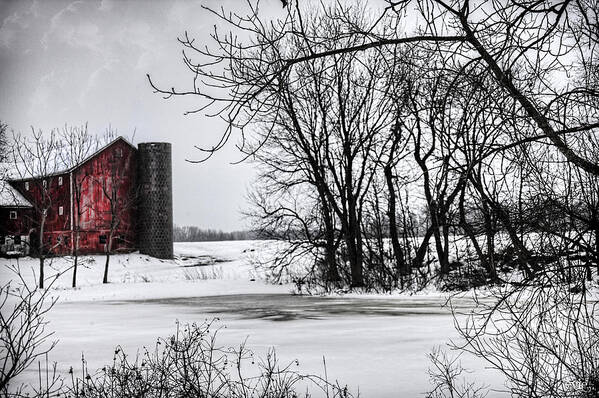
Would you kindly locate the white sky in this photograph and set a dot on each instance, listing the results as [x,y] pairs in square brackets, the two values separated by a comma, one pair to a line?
[64,61]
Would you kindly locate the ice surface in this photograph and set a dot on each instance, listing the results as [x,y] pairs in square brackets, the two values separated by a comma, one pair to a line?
[376,344]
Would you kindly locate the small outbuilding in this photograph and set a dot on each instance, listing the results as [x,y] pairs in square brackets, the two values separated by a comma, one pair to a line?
[15,211]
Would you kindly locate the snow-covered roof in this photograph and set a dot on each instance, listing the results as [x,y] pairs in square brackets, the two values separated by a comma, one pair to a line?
[15,177]
[10,197]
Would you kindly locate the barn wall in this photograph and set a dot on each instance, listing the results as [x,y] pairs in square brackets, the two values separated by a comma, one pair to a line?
[20,226]
[57,226]
[115,167]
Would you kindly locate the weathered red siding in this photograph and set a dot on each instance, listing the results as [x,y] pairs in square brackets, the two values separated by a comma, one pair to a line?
[114,166]
[57,226]
[18,226]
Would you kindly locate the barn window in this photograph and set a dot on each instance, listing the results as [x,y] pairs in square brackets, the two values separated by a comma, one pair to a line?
[13,215]
[45,183]
[102,239]
[60,210]
[27,185]
[118,153]
[59,180]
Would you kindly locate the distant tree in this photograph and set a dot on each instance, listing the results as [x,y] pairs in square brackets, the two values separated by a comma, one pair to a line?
[196,234]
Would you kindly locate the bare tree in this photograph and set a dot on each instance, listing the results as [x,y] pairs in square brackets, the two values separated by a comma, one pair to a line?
[510,40]
[119,198]
[24,338]
[3,142]
[328,135]
[542,337]
[502,118]
[77,145]
[483,97]
[35,161]
[4,153]
[445,374]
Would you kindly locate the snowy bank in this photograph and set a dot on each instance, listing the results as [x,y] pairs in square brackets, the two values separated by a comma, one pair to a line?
[198,269]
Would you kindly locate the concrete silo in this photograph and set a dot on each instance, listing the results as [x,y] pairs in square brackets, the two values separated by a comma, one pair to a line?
[155,211]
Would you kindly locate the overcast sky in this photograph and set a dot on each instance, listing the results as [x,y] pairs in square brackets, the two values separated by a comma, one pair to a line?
[85,61]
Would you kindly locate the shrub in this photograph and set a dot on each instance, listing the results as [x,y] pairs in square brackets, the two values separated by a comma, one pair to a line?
[190,364]
[446,378]
[464,280]
[24,338]
[542,334]
[203,273]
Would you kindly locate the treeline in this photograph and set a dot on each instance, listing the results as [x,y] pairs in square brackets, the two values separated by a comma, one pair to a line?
[196,234]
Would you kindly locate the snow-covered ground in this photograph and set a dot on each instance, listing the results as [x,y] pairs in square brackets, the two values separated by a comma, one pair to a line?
[374,344]
[198,269]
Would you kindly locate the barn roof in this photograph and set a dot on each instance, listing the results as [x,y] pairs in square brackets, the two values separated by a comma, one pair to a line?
[90,157]
[93,155]
[10,197]
[99,151]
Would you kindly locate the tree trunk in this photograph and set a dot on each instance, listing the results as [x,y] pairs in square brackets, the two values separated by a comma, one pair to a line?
[441,253]
[402,265]
[354,262]
[332,273]
[41,254]
[595,228]
[523,253]
[485,260]
[421,252]
[597,249]
[74,283]
[445,244]
[108,250]
[76,256]
[353,242]
[41,281]
[435,212]
[105,278]
[490,237]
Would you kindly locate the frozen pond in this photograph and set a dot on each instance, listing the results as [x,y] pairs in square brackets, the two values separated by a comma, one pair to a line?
[376,345]
[286,307]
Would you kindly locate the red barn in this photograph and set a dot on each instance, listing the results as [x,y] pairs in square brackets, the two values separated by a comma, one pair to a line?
[96,201]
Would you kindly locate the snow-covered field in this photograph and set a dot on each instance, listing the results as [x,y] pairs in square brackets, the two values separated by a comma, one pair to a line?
[199,269]
[377,345]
